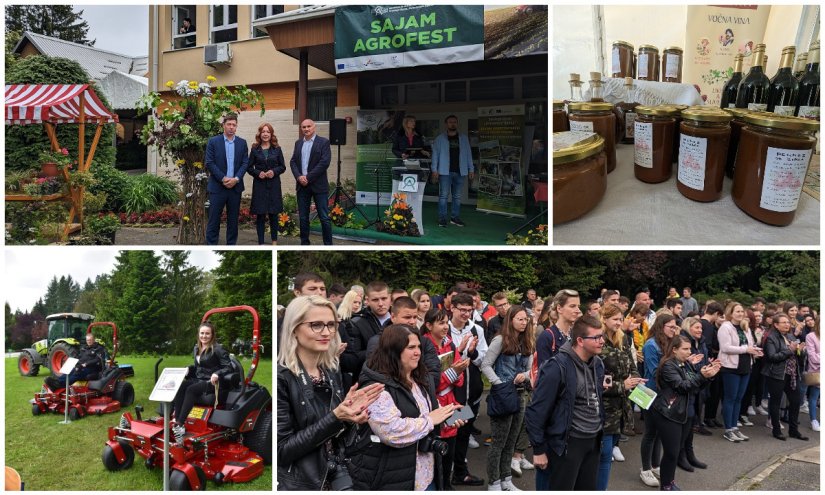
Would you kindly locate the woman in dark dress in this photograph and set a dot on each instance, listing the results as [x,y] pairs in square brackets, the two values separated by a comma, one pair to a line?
[266,164]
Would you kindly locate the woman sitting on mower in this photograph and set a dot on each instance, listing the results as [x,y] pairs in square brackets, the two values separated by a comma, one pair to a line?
[211,364]
[90,362]
[312,409]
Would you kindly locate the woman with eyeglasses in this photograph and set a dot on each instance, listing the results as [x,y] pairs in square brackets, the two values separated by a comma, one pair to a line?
[782,374]
[676,379]
[736,352]
[620,365]
[314,413]
[508,360]
[662,331]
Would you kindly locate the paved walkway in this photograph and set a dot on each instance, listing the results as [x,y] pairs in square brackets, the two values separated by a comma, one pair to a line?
[795,472]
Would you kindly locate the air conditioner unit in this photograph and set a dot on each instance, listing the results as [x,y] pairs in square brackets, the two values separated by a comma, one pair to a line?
[218,53]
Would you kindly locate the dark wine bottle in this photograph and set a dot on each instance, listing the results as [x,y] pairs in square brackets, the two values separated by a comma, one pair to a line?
[808,104]
[752,92]
[799,65]
[729,91]
[784,91]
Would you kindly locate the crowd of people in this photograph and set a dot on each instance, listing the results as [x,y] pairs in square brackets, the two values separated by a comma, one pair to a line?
[379,389]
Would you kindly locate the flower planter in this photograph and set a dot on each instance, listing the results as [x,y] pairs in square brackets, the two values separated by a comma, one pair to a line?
[50,169]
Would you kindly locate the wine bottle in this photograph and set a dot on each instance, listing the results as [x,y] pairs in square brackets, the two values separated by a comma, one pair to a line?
[752,92]
[808,104]
[784,90]
[729,91]
[799,65]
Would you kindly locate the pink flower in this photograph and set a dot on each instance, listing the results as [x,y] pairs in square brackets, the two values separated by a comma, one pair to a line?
[65,152]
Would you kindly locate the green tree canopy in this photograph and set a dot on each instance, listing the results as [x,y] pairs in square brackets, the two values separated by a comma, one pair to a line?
[56,21]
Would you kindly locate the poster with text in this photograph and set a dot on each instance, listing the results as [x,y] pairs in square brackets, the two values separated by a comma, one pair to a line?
[501,160]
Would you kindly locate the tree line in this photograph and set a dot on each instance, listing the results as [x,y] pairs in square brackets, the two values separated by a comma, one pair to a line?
[740,275]
[158,301]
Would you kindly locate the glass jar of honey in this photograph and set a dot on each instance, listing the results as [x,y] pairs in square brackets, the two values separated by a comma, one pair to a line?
[771,163]
[672,64]
[596,117]
[703,153]
[622,59]
[647,63]
[579,174]
[560,123]
[653,143]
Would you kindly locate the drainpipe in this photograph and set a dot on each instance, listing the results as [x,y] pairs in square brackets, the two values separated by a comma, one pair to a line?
[152,166]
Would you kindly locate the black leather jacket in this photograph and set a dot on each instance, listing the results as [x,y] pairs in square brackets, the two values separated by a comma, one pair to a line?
[305,423]
[675,383]
[777,354]
[92,357]
[214,361]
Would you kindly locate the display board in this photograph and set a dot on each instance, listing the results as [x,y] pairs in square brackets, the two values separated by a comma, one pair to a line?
[502,160]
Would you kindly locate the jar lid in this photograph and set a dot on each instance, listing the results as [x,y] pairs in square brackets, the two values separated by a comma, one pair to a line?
[659,110]
[590,106]
[677,106]
[623,43]
[674,48]
[648,47]
[558,104]
[737,113]
[571,146]
[706,115]
[768,119]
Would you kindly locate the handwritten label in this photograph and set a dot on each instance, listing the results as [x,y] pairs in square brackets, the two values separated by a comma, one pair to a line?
[586,126]
[784,175]
[784,110]
[807,112]
[692,161]
[629,121]
[643,145]
[642,69]
[759,107]
[617,63]
[569,139]
[672,67]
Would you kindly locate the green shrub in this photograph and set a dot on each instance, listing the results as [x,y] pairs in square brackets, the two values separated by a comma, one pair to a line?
[147,192]
[112,182]
[25,142]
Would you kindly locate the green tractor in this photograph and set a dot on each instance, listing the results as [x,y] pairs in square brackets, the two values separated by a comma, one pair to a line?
[66,332]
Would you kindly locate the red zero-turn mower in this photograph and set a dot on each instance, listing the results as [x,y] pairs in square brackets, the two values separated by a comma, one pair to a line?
[101,393]
[228,443]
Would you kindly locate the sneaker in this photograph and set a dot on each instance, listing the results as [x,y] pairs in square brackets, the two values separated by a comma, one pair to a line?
[740,435]
[770,426]
[703,431]
[739,424]
[751,411]
[515,467]
[468,480]
[671,487]
[648,478]
[525,464]
[761,410]
[495,486]
[745,421]
[442,223]
[617,454]
[656,473]
[623,438]
[804,408]
[473,444]
[764,404]
[488,441]
[508,486]
[815,425]
[731,436]
[457,221]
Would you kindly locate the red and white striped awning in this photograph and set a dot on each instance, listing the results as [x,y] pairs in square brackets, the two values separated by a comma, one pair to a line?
[55,103]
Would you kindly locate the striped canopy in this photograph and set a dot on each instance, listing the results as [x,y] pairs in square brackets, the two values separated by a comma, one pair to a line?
[55,103]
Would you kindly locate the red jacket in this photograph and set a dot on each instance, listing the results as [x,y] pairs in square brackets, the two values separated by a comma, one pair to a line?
[449,380]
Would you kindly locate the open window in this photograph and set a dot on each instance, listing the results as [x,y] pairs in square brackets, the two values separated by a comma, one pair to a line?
[184,24]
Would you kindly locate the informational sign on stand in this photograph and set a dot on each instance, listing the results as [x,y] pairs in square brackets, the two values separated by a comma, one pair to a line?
[67,368]
[165,390]
[501,160]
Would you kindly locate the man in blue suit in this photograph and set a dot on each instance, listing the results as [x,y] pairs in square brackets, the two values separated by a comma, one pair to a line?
[309,164]
[227,158]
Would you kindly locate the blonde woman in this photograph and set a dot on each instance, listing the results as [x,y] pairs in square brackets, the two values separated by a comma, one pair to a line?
[350,306]
[736,353]
[422,299]
[312,408]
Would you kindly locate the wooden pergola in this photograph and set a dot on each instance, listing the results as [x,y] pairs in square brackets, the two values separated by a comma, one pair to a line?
[52,104]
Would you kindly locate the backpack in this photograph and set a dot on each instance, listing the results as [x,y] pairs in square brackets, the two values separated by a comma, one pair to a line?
[534,368]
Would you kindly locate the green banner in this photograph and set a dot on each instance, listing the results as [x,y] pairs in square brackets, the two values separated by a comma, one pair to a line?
[501,176]
[371,37]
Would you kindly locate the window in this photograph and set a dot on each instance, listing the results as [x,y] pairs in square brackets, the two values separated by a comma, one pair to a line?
[261,11]
[455,91]
[534,87]
[389,95]
[224,25]
[429,92]
[491,89]
[321,104]
[183,26]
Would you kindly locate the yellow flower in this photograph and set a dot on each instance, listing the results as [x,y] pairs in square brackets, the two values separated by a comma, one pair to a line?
[193,84]
[397,217]
[180,162]
[186,218]
[197,165]
[211,79]
[170,83]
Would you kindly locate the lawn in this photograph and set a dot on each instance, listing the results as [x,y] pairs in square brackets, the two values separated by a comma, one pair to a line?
[52,456]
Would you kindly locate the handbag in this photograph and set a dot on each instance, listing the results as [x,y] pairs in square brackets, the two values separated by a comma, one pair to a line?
[503,400]
[811,378]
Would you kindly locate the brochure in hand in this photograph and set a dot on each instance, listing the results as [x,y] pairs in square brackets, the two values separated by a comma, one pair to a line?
[642,396]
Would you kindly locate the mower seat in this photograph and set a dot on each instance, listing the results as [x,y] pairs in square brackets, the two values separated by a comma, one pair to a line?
[229,383]
[105,377]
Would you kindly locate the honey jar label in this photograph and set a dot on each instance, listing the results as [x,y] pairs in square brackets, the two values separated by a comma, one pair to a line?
[758,107]
[617,63]
[784,110]
[584,126]
[564,140]
[643,145]
[629,121]
[808,112]
[672,67]
[692,160]
[642,70]
[784,175]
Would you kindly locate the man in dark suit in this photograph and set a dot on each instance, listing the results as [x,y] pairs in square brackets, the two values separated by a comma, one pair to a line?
[309,165]
[227,158]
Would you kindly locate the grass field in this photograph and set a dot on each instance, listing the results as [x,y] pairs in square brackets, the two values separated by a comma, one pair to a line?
[52,456]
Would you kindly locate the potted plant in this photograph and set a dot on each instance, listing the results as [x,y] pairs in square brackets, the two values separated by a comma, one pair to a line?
[51,162]
[101,228]
[43,186]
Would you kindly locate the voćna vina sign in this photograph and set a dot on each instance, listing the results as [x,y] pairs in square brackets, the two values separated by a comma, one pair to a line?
[370,37]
